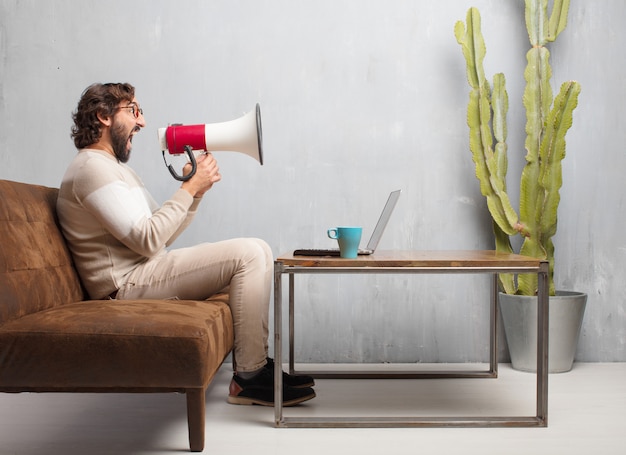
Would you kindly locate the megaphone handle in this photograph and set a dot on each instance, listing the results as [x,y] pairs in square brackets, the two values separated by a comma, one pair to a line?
[192,159]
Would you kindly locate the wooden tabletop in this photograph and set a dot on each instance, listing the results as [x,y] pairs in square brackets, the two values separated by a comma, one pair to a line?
[409,258]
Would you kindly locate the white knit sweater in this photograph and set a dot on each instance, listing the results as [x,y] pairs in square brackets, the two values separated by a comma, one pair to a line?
[111,222]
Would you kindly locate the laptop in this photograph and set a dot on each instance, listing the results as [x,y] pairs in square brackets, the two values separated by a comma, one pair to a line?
[374,239]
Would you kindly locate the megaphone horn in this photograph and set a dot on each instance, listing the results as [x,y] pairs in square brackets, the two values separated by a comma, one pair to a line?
[243,135]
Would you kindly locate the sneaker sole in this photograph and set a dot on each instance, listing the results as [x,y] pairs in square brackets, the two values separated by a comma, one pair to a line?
[245,401]
[302,386]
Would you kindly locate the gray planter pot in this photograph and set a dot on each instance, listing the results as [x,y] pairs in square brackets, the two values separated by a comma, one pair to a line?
[519,314]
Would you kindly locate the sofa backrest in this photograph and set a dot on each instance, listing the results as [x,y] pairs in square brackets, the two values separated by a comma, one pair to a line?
[36,270]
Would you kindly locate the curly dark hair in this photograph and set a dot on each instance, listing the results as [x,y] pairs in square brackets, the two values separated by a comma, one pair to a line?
[97,99]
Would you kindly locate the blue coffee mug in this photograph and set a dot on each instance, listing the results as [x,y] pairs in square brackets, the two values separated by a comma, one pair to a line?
[349,238]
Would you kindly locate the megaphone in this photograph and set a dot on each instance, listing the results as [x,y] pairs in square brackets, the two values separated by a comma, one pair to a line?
[242,135]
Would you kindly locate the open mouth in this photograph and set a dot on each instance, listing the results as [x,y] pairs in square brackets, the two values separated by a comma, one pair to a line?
[132,134]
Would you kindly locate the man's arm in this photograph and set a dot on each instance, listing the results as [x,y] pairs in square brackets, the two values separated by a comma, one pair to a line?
[118,201]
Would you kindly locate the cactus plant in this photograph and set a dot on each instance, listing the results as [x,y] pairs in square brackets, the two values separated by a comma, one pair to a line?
[547,121]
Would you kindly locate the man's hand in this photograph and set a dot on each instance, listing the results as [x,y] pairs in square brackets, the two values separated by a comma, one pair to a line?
[207,173]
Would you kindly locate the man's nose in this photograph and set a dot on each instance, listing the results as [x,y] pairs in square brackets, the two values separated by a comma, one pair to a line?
[141,121]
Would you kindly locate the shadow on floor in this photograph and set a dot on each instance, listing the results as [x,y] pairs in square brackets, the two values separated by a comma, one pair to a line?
[94,424]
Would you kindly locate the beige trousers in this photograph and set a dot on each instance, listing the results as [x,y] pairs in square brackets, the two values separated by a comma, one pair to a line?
[244,266]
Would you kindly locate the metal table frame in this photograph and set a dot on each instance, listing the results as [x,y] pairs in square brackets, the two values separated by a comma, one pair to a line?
[291,265]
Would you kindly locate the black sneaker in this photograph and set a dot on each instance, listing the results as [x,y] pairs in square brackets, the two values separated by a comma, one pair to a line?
[260,390]
[292,380]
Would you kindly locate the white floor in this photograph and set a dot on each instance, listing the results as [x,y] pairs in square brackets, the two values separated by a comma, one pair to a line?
[586,416]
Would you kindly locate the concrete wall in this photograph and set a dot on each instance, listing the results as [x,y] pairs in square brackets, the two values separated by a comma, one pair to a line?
[358,98]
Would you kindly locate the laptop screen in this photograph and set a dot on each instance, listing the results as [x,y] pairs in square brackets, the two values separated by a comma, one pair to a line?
[383,220]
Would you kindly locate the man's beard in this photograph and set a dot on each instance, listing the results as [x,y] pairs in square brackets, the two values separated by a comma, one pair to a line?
[121,142]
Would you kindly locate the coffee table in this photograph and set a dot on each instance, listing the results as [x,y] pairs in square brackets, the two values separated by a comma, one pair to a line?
[415,262]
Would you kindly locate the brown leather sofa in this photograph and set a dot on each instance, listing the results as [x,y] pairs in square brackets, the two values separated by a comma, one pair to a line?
[53,339]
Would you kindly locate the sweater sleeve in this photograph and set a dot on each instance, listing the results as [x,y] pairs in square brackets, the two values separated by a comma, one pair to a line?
[191,213]
[120,203]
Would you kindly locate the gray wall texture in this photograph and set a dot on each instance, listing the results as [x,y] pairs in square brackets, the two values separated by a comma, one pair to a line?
[358,97]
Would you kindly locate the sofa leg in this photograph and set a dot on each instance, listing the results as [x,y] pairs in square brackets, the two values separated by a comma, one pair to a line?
[195,418]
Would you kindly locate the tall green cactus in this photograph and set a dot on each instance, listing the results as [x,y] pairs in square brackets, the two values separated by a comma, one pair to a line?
[547,122]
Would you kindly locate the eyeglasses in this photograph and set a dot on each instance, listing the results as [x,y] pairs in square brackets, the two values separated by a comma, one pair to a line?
[134,109]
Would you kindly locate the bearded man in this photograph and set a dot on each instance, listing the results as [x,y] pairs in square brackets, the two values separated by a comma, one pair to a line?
[119,238]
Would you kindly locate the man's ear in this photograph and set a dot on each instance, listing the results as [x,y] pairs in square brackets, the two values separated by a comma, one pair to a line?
[105,120]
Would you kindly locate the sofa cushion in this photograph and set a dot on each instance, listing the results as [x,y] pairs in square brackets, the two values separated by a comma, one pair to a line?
[117,343]
[36,270]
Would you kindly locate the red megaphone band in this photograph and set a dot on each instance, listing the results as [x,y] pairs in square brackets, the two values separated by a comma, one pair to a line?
[178,136]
